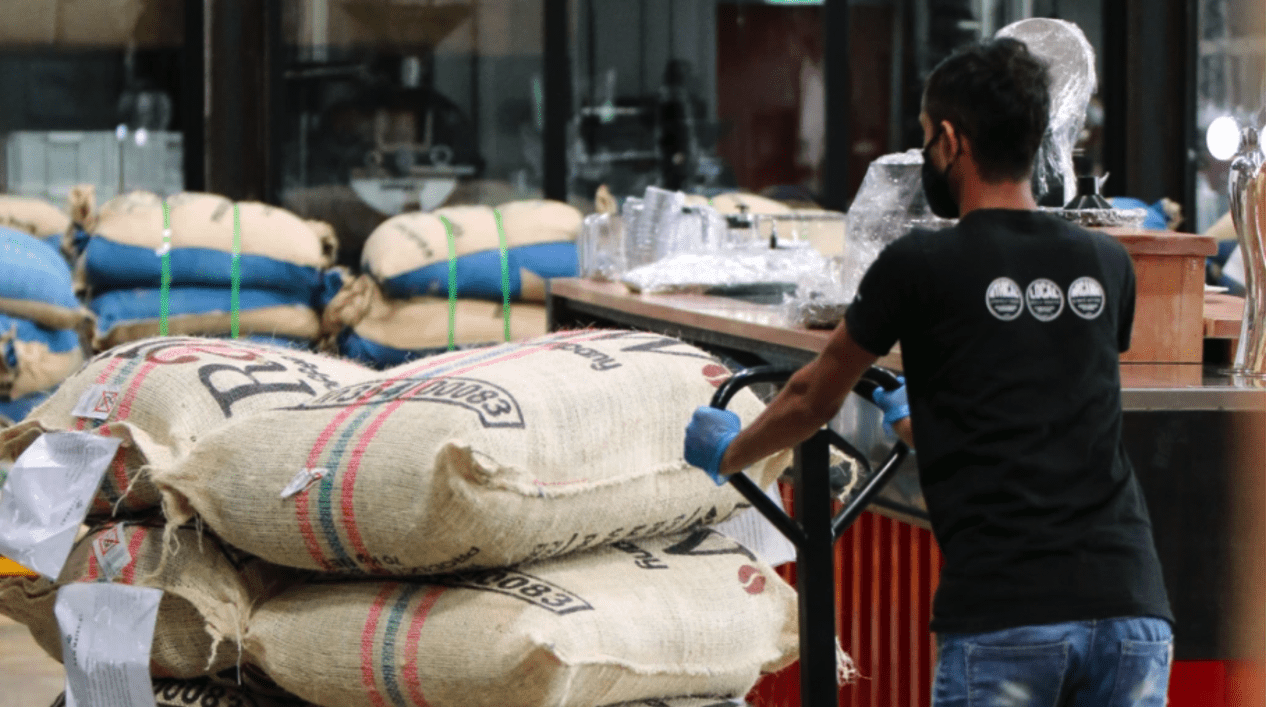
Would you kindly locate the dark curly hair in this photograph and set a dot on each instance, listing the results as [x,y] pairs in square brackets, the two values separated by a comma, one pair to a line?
[997,94]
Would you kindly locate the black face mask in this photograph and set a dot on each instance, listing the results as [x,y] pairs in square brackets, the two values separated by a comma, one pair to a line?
[936,186]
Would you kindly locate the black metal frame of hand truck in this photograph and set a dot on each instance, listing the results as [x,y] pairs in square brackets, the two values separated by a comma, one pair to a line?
[814,531]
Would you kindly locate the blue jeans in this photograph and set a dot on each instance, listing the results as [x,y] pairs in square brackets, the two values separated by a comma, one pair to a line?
[1106,663]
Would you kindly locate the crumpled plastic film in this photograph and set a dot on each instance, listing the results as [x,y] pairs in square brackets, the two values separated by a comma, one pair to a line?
[600,250]
[734,268]
[889,200]
[1071,60]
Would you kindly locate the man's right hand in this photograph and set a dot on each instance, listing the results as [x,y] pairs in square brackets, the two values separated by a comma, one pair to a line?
[894,403]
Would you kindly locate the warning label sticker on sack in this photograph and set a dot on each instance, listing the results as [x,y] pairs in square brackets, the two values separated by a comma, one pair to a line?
[110,549]
[98,402]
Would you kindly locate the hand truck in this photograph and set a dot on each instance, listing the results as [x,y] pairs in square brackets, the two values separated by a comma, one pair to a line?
[814,531]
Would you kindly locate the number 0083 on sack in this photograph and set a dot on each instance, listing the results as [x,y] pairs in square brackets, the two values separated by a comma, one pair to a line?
[483,458]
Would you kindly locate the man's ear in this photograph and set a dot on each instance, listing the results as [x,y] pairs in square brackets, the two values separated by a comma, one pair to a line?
[954,143]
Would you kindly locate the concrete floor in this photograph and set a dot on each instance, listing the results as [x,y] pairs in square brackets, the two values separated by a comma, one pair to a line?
[28,677]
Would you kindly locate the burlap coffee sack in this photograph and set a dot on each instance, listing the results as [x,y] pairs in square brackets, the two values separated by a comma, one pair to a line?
[480,458]
[690,614]
[201,615]
[203,692]
[201,220]
[414,240]
[422,322]
[161,395]
[34,216]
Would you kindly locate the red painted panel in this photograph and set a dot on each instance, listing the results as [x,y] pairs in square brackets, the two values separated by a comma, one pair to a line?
[886,572]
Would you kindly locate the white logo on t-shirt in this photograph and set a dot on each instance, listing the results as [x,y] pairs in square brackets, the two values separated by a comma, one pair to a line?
[1086,297]
[1003,299]
[1045,300]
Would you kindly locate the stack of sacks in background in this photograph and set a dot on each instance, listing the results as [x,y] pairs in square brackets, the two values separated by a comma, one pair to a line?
[282,265]
[401,311]
[34,216]
[511,526]
[159,397]
[40,322]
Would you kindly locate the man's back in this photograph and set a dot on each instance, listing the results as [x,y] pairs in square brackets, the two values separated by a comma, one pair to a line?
[1010,326]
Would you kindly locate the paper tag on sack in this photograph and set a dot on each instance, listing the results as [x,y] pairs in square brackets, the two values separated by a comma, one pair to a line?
[110,549]
[302,480]
[98,402]
[46,495]
[107,632]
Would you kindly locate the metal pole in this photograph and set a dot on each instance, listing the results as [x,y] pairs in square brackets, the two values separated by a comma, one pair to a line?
[815,574]
[838,83]
[558,108]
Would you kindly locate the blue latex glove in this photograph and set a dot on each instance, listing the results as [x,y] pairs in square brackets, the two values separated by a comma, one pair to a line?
[708,436]
[895,404]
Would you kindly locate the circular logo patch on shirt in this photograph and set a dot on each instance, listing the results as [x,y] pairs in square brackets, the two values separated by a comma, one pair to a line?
[1086,297]
[1045,300]
[1003,299]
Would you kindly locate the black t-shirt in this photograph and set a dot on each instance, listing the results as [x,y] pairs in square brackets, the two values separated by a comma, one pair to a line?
[1010,326]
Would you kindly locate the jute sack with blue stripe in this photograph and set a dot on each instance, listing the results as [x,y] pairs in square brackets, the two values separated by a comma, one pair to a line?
[480,458]
[687,614]
[163,394]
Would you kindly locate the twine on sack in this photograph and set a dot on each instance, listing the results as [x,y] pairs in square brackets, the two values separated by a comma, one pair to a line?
[164,293]
[235,293]
[846,672]
[505,273]
[452,282]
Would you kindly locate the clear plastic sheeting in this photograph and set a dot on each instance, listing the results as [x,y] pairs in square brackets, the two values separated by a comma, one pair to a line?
[1102,218]
[889,201]
[1071,61]
[753,266]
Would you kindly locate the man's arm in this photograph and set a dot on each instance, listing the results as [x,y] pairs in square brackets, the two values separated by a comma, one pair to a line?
[810,399]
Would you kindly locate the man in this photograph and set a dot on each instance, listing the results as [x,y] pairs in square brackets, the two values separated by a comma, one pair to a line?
[1010,326]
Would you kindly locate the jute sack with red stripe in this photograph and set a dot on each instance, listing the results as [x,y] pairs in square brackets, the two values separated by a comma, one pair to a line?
[201,615]
[484,458]
[161,395]
[686,614]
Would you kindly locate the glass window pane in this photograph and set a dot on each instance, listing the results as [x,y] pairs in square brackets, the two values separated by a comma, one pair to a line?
[93,94]
[394,106]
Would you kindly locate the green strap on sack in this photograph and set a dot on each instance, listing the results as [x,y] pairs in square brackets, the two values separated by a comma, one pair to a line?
[505,273]
[235,277]
[164,287]
[452,282]
[235,294]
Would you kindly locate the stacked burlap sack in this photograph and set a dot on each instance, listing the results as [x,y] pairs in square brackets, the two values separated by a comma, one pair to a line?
[119,248]
[509,526]
[40,322]
[400,310]
[34,216]
[159,397]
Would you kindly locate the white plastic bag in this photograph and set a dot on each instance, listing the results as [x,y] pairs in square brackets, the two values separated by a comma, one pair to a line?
[46,495]
[107,632]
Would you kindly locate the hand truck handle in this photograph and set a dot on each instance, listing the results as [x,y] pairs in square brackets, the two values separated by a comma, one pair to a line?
[872,379]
